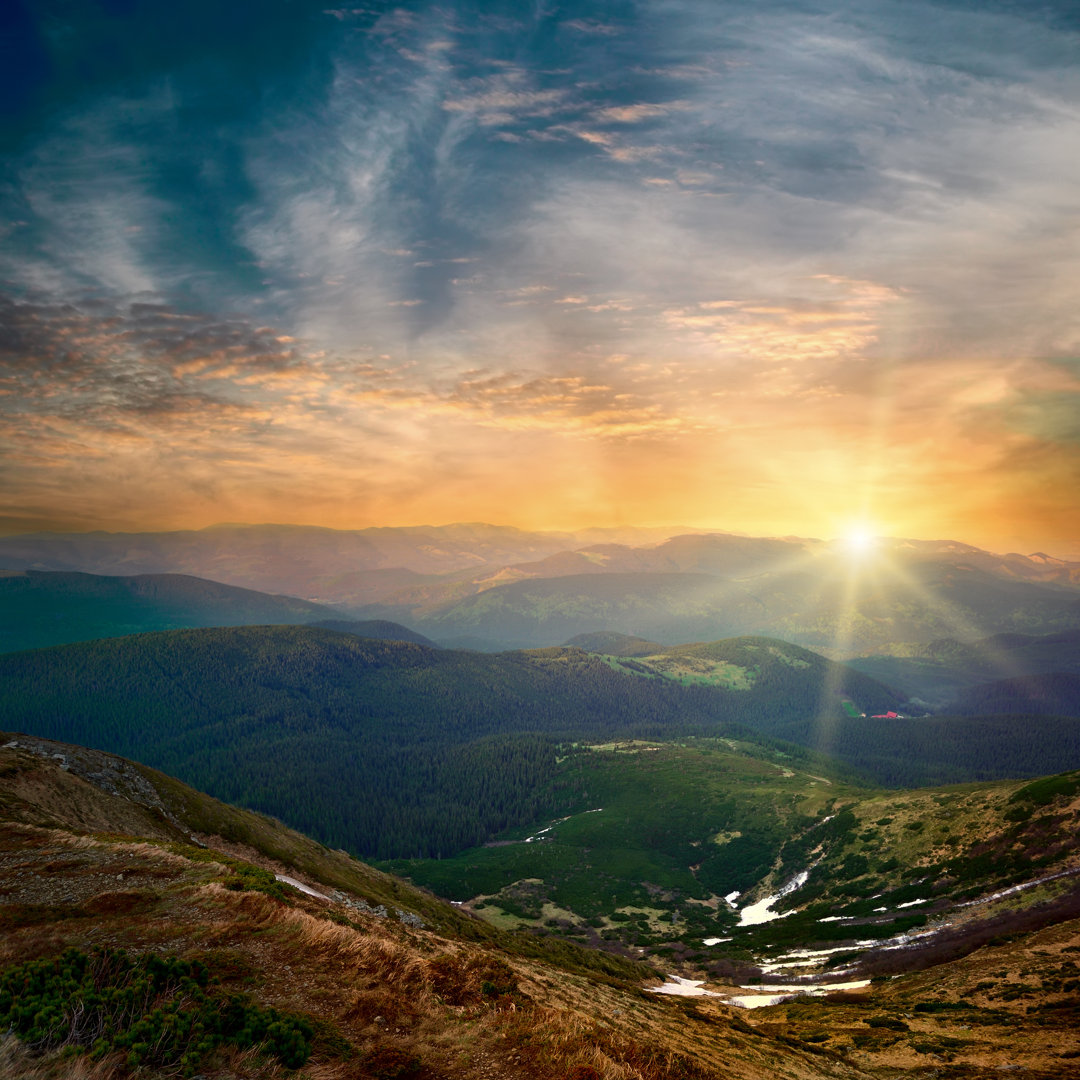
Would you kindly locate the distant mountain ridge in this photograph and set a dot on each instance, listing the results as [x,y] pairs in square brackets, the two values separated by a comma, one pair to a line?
[501,587]
[299,559]
[610,643]
[814,600]
[39,609]
[940,672]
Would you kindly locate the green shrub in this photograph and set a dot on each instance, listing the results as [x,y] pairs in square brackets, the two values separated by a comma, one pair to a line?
[1041,792]
[887,1022]
[162,1011]
[854,866]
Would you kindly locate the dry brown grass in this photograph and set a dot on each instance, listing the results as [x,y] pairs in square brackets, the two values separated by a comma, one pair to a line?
[18,1063]
[446,1005]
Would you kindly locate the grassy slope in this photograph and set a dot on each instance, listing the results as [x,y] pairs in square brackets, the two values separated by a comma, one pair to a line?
[656,830]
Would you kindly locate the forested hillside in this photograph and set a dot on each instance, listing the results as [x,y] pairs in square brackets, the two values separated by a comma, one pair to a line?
[1057,693]
[387,748]
[392,749]
[375,628]
[938,672]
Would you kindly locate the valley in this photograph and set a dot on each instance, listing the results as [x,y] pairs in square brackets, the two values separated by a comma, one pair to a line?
[686,843]
[376,979]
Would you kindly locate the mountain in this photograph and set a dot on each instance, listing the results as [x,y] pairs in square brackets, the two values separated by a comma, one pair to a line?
[387,747]
[392,749]
[39,608]
[535,613]
[819,602]
[703,587]
[335,565]
[295,960]
[936,673]
[611,643]
[500,587]
[1055,694]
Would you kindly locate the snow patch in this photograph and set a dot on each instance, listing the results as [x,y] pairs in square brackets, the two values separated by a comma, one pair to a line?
[777,994]
[1020,888]
[762,912]
[683,988]
[302,887]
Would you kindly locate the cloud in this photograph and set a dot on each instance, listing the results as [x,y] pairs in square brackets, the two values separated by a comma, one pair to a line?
[591,26]
[812,236]
[501,99]
[637,113]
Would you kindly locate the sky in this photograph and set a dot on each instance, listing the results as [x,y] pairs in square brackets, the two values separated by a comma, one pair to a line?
[771,266]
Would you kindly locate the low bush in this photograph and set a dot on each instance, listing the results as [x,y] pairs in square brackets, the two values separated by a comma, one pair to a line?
[887,1022]
[162,1012]
[1043,791]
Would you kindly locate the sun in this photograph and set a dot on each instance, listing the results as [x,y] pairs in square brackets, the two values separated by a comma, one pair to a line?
[859,540]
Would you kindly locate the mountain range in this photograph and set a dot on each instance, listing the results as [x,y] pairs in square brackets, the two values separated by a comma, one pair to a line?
[490,587]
